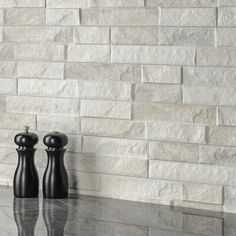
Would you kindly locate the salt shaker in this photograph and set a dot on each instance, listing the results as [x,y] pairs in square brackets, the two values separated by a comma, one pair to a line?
[26,181]
[55,178]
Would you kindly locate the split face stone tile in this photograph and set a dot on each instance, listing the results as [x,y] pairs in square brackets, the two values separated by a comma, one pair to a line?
[116,3]
[8,69]
[21,3]
[182,3]
[227,3]
[67,4]
[2,103]
[226,36]
[226,116]
[229,198]
[8,86]
[7,51]
[227,16]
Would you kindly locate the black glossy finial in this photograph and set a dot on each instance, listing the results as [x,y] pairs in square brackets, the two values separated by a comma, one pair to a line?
[55,140]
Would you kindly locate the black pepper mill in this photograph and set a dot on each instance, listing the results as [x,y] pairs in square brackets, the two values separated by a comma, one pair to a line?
[26,181]
[55,178]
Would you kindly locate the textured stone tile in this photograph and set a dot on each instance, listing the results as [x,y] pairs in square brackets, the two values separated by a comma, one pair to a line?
[182,36]
[153,55]
[222,136]
[46,52]
[202,193]
[188,17]
[209,96]
[67,4]
[8,69]
[1,34]
[209,76]
[8,155]
[41,70]
[226,37]
[226,16]
[189,172]
[217,155]
[135,35]
[49,88]
[101,72]
[8,86]
[62,17]
[17,121]
[174,113]
[227,3]
[24,16]
[224,56]
[158,93]
[68,124]
[162,74]
[106,165]
[38,34]
[21,3]
[88,53]
[112,16]
[202,225]
[115,147]
[176,132]
[42,105]
[173,152]
[7,51]
[226,116]
[1,16]
[6,139]
[114,128]
[90,35]
[2,103]
[104,90]
[105,109]
[229,199]
[116,3]
[182,3]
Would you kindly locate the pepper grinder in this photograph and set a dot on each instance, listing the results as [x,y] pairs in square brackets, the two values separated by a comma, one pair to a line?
[55,178]
[26,181]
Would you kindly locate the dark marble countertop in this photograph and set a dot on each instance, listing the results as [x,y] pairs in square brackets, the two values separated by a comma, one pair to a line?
[90,216]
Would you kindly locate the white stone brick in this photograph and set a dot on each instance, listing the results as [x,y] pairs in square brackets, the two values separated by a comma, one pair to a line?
[67,3]
[46,52]
[105,109]
[8,69]
[21,3]
[1,17]
[182,36]
[49,88]
[209,76]
[226,16]
[182,3]
[37,105]
[6,139]
[227,116]
[1,34]
[68,124]
[188,17]
[209,96]
[224,56]
[106,165]
[135,35]
[38,34]
[2,104]
[161,74]
[173,152]
[115,147]
[17,121]
[24,16]
[153,55]
[158,93]
[7,51]
[120,16]
[101,72]
[217,155]
[8,155]
[114,128]
[88,53]
[189,172]
[116,3]
[202,193]
[227,3]
[90,35]
[174,113]
[222,136]
[104,90]
[62,17]
[176,132]
[41,70]
[8,86]
[226,36]
[229,199]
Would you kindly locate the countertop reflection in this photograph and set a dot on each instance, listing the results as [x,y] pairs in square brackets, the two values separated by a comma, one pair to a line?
[90,216]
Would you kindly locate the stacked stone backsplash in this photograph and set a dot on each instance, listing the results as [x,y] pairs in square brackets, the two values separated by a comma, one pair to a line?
[145,90]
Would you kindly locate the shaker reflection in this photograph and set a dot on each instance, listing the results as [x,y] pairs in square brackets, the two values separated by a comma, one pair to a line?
[26,212]
[55,214]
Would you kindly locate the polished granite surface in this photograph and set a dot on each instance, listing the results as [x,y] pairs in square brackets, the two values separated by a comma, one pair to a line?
[90,216]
